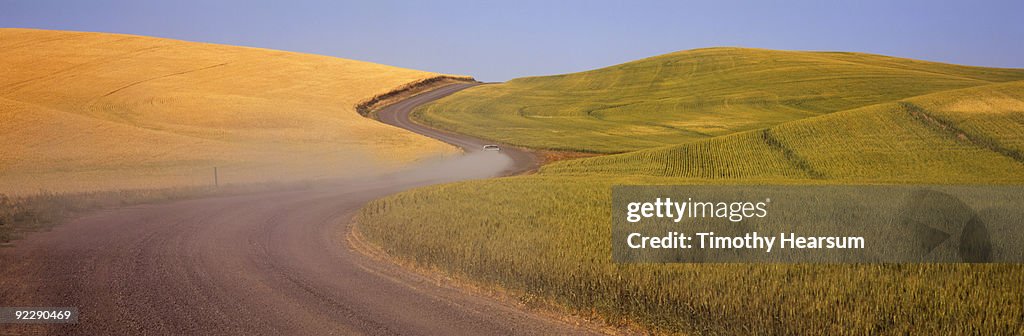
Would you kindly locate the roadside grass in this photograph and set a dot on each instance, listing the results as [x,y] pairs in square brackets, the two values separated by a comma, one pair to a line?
[42,211]
[547,235]
[86,111]
[689,95]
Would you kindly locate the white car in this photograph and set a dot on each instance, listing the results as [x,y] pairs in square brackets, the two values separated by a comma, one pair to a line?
[491,148]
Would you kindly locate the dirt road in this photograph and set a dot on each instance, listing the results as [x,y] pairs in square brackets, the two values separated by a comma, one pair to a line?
[272,263]
[398,115]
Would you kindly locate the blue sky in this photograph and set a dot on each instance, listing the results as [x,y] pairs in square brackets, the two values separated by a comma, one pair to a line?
[496,41]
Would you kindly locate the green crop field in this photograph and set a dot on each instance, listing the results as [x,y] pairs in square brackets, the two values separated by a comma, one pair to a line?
[963,136]
[547,235]
[690,95]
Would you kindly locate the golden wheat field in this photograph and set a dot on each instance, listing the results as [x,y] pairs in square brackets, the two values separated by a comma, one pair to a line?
[89,111]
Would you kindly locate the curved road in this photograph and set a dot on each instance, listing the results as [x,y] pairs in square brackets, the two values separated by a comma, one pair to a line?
[274,263]
[398,115]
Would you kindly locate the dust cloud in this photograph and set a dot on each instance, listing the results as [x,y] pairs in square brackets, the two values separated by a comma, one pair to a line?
[472,165]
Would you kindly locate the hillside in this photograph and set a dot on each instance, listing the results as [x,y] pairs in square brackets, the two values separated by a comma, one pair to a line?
[546,236]
[691,95]
[84,111]
[960,136]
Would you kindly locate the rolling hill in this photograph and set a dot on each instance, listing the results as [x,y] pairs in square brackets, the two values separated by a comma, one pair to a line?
[86,111]
[691,95]
[960,136]
[546,236]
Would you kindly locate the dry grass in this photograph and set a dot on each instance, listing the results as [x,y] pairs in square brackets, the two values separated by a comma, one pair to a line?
[41,211]
[88,111]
